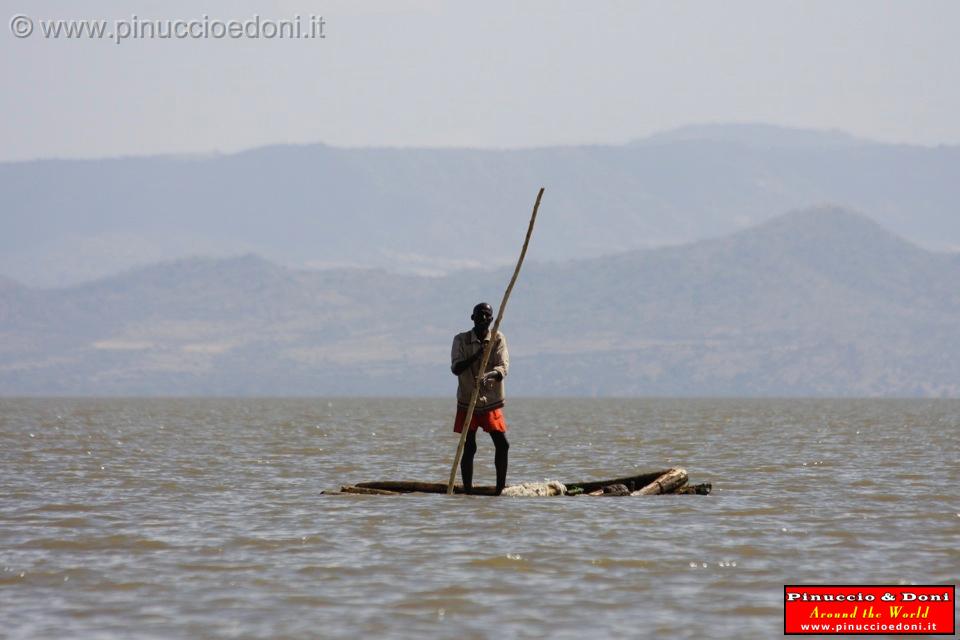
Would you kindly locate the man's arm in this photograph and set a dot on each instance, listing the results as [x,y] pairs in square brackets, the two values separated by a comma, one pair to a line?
[459,364]
[500,360]
[463,365]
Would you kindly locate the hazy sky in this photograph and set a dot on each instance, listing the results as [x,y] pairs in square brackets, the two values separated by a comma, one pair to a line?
[491,74]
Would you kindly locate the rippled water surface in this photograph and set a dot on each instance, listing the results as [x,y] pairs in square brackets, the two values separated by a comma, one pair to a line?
[205,518]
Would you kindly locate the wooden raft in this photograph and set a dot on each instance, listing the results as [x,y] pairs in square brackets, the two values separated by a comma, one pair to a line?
[665,481]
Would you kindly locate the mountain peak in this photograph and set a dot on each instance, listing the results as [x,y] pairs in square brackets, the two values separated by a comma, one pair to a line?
[7,284]
[758,136]
[825,223]
[233,268]
[840,245]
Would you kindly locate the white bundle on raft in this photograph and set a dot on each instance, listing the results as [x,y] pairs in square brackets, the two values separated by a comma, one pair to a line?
[546,488]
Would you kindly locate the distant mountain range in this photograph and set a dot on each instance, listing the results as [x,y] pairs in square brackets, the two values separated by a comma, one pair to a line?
[816,302]
[434,211]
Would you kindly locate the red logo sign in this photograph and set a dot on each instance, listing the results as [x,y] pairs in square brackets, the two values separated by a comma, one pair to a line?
[869,609]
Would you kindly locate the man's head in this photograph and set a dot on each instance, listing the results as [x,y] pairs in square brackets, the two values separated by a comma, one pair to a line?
[482,317]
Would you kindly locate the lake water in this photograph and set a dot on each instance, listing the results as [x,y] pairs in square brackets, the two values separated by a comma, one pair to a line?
[205,518]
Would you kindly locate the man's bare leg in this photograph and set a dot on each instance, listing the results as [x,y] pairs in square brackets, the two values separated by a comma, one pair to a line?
[466,462]
[500,458]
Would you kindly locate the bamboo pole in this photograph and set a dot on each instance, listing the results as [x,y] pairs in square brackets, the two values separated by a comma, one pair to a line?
[486,351]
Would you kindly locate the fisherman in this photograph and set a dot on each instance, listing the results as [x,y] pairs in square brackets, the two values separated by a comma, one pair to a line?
[465,357]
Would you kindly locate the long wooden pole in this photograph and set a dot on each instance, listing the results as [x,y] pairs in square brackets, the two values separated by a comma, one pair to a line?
[486,351]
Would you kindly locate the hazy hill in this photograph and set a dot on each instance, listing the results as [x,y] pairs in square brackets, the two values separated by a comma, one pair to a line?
[7,283]
[759,136]
[435,210]
[816,302]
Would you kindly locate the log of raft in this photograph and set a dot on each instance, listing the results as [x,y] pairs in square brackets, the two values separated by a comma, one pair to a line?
[632,483]
[403,486]
[665,481]
[367,491]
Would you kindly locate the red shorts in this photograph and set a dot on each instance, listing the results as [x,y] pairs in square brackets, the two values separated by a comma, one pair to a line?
[491,421]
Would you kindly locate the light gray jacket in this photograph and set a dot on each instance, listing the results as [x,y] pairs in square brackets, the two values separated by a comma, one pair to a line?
[464,346]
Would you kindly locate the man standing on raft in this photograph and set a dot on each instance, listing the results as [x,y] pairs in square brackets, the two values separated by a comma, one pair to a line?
[465,357]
